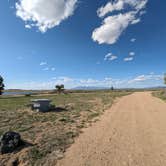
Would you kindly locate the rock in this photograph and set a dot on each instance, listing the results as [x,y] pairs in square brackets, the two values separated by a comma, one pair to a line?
[9,142]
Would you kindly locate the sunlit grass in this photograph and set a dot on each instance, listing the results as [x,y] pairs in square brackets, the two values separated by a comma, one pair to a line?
[53,131]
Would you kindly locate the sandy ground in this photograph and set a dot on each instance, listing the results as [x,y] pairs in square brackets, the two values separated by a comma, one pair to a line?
[131,133]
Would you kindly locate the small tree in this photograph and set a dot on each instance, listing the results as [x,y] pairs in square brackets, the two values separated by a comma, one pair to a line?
[112,88]
[1,85]
[60,88]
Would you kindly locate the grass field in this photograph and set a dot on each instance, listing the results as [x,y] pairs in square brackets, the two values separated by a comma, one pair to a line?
[160,94]
[51,133]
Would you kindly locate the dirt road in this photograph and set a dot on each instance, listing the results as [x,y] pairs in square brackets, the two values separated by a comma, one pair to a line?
[131,133]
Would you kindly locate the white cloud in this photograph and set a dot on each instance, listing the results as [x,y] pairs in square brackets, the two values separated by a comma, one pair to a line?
[136,21]
[133,40]
[131,53]
[46,66]
[28,26]
[110,7]
[118,5]
[107,56]
[113,26]
[113,57]
[142,80]
[43,63]
[128,59]
[65,79]
[139,78]
[44,14]
[110,57]
[142,12]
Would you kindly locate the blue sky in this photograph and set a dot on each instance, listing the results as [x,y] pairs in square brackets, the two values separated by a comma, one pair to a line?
[82,43]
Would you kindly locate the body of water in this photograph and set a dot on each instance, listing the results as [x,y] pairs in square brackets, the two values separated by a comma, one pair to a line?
[17,93]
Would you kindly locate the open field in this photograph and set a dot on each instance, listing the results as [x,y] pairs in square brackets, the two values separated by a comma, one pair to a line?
[49,134]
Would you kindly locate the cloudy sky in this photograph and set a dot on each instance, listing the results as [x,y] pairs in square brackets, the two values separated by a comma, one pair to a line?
[82,43]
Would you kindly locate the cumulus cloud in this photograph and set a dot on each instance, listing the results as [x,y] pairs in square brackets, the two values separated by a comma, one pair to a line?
[143,78]
[131,53]
[113,25]
[43,63]
[44,14]
[110,57]
[139,78]
[65,79]
[118,5]
[133,40]
[47,67]
[28,26]
[107,56]
[128,59]
[110,7]
[113,57]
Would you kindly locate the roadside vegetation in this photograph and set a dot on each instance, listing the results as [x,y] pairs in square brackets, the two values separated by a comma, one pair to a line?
[162,93]
[49,134]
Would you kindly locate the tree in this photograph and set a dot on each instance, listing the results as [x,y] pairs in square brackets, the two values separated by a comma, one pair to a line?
[165,78]
[112,88]
[60,88]
[1,85]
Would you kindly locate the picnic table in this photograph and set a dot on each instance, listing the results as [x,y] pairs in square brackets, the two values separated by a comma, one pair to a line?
[41,105]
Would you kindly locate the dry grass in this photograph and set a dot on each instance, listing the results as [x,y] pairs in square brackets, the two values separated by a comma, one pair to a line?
[50,133]
[160,94]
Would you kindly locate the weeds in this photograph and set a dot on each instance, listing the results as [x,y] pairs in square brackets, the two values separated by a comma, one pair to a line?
[52,131]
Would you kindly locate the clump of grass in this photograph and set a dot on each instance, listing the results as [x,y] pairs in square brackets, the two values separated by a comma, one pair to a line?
[160,94]
[93,115]
[36,154]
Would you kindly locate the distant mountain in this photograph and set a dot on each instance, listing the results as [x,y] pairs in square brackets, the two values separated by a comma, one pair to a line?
[105,88]
[156,87]
[89,88]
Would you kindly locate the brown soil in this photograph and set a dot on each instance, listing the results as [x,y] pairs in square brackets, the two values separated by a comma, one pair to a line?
[131,133]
